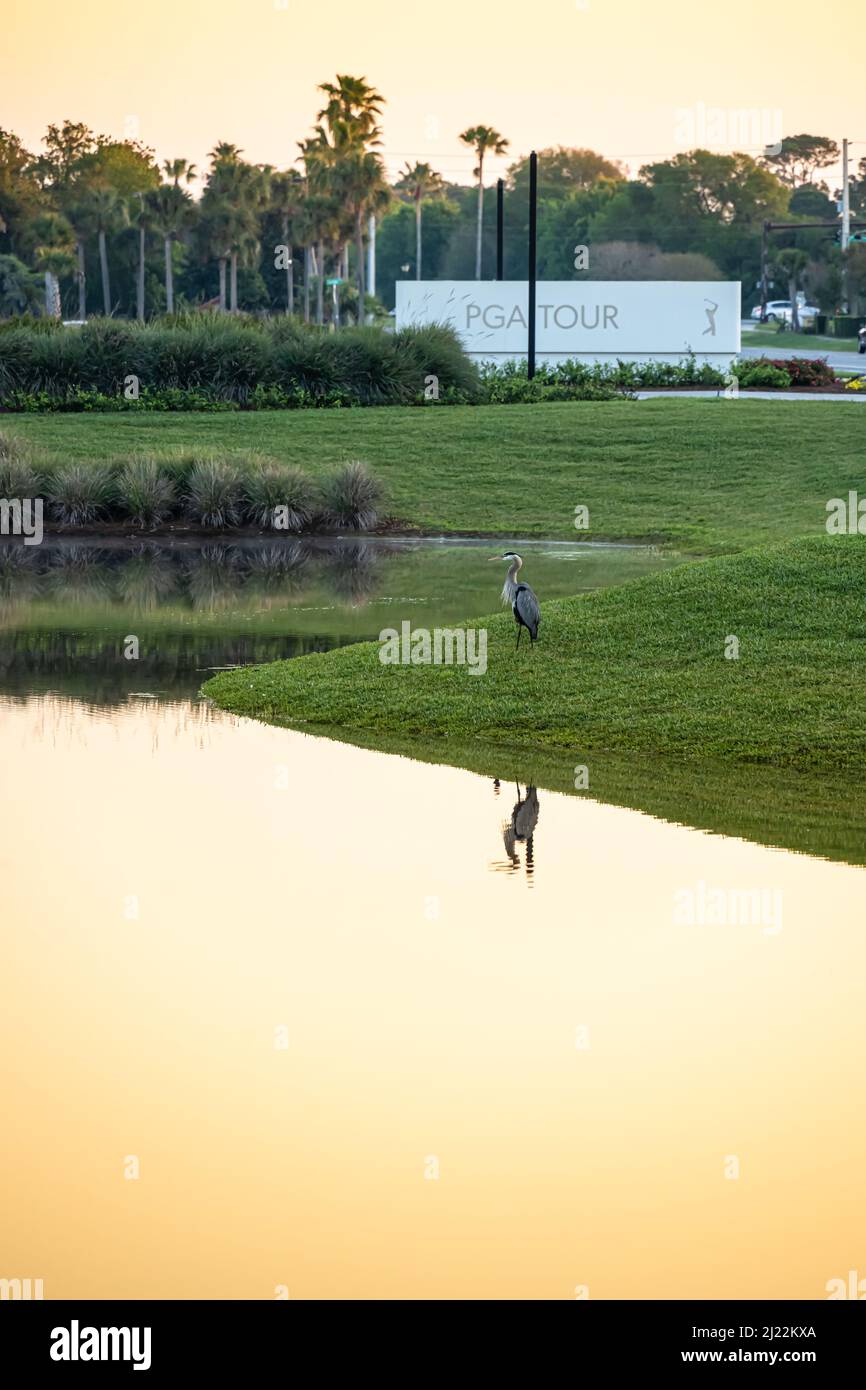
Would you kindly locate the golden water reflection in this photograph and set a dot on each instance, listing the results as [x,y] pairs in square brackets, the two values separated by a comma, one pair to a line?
[185,892]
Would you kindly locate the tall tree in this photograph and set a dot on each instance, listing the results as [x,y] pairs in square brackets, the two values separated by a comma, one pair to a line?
[484,140]
[79,211]
[108,212]
[21,195]
[285,199]
[800,158]
[19,287]
[346,146]
[321,207]
[351,111]
[791,263]
[141,216]
[420,183]
[54,256]
[91,178]
[171,212]
[235,197]
[177,169]
[65,148]
[563,171]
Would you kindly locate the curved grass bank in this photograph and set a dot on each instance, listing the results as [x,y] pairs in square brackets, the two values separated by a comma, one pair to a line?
[638,669]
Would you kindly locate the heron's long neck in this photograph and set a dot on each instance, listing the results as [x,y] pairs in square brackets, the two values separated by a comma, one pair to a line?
[515,566]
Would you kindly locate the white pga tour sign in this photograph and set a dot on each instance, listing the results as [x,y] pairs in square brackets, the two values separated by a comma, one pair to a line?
[591,320]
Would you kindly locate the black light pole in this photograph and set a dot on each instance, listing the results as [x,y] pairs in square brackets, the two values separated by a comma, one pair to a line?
[500,199]
[533,211]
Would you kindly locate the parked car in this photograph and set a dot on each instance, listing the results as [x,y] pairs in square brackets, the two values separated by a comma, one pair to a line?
[779,311]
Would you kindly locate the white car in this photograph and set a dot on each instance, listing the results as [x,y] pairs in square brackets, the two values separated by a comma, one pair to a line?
[780,309]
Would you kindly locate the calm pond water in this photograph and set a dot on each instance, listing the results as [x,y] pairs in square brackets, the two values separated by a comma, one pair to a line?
[371,1028]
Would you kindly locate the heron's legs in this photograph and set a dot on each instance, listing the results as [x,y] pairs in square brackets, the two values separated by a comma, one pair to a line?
[519,629]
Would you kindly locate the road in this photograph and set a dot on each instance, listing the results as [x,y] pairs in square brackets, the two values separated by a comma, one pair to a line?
[854,361]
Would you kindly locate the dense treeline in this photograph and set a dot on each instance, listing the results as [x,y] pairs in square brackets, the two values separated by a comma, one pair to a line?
[92,225]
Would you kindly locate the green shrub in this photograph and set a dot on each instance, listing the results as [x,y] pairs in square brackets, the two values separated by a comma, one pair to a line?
[782,372]
[806,371]
[507,383]
[352,498]
[436,351]
[761,374]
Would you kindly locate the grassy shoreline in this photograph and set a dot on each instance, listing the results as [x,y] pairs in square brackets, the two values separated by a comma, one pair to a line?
[706,476]
[638,669]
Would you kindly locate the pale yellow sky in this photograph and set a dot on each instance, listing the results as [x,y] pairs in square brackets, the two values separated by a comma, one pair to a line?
[616,75]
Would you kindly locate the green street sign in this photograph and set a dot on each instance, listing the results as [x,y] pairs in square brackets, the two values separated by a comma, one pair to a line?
[334,281]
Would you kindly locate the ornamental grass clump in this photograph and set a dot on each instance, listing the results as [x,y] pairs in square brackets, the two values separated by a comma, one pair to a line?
[213,492]
[18,475]
[80,493]
[145,492]
[352,498]
[279,495]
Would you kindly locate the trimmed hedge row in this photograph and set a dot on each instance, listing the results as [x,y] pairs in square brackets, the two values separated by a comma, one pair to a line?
[270,364]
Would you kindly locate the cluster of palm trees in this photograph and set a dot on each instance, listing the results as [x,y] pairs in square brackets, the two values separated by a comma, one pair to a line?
[322,208]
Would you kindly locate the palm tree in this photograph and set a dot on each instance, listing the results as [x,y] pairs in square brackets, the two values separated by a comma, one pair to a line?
[351,111]
[215,229]
[246,191]
[484,140]
[54,256]
[171,210]
[108,212]
[420,182]
[357,175]
[286,202]
[360,187]
[236,195]
[225,153]
[177,169]
[792,263]
[19,287]
[322,209]
[141,216]
[217,212]
[305,229]
[78,211]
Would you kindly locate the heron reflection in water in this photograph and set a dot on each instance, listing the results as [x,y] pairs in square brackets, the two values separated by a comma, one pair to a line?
[519,830]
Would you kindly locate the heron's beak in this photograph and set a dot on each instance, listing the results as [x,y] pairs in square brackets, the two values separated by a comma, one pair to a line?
[495,557]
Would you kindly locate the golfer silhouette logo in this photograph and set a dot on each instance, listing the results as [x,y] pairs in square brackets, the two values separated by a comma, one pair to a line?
[711,315]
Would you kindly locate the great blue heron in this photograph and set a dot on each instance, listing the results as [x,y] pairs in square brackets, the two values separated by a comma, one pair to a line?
[524,604]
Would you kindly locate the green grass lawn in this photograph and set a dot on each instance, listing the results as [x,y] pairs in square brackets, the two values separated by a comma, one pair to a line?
[705,475]
[786,343]
[639,669]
